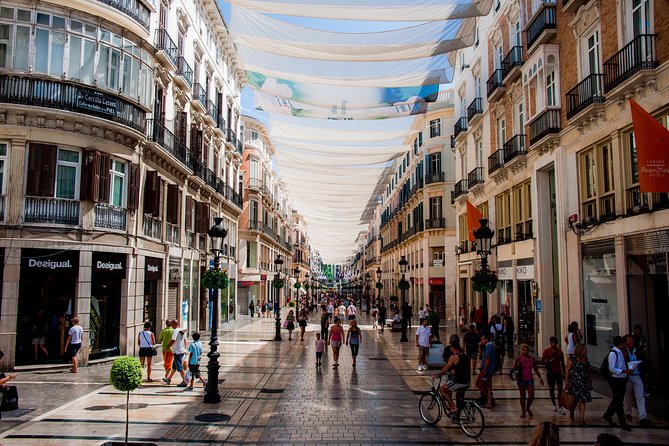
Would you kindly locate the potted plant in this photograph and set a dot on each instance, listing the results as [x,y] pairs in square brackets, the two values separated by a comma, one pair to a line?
[215,278]
[484,280]
[278,284]
[379,286]
[126,376]
[297,285]
[291,304]
[403,285]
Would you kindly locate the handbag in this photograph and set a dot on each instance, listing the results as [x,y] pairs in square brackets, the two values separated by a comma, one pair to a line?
[10,399]
[285,324]
[567,400]
[154,350]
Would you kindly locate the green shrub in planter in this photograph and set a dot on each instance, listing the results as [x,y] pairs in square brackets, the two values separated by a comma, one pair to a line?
[126,376]
[291,304]
[379,286]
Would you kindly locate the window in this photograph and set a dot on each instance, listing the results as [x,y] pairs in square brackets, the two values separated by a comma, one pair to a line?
[479,152]
[463,165]
[516,34]
[640,17]
[503,218]
[522,211]
[550,89]
[67,174]
[519,121]
[592,53]
[3,163]
[251,254]
[497,5]
[596,182]
[477,86]
[117,194]
[499,56]
[435,208]
[435,163]
[501,133]
[435,128]
[253,170]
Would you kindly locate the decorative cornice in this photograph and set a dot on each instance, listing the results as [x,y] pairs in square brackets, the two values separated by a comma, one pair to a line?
[585,17]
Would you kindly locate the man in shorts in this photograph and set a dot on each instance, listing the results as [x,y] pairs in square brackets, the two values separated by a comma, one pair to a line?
[165,337]
[178,346]
[423,342]
[472,341]
[486,369]
[459,365]
[553,358]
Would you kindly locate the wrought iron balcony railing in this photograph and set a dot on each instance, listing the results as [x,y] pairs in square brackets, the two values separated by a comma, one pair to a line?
[165,44]
[495,161]
[513,59]
[185,71]
[110,217]
[435,223]
[475,177]
[437,177]
[51,210]
[589,91]
[460,188]
[475,108]
[158,133]
[637,55]
[548,122]
[495,82]
[543,21]
[460,126]
[514,147]
[133,9]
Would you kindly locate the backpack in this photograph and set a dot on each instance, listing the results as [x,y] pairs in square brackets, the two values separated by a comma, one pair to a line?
[10,399]
[499,337]
[604,368]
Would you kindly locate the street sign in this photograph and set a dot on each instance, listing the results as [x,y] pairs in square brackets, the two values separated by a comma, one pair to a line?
[538,305]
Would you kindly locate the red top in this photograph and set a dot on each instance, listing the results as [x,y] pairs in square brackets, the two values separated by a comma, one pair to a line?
[554,360]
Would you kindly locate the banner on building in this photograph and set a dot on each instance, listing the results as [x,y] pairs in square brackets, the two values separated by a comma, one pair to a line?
[652,150]
[473,217]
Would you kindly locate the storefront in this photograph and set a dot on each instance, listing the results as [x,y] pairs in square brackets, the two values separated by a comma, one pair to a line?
[47,296]
[505,287]
[527,304]
[108,274]
[153,275]
[437,295]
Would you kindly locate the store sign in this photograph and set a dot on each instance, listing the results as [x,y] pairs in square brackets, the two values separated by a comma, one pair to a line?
[153,268]
[436,281]
[108,263]
[263,277]
[247,283]
[175,274]
[50,264]
[47,260]
[525,272]
[504,273]
[96,102]
[438,262]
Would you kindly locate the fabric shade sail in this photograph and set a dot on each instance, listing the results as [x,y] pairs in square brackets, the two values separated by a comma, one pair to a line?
[265,33]
[383,10]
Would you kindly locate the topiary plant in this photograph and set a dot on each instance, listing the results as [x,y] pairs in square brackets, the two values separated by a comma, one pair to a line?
[215,278]
[126,376]
[379,286]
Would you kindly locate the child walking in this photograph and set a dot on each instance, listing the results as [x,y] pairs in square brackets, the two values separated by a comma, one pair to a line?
[195,353]
[320,347]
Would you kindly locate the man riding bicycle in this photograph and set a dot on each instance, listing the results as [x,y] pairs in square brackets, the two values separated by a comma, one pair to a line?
[458,364]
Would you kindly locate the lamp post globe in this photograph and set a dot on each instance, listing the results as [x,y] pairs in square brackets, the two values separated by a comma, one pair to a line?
[278,263]
[378,282]
[483,235]
[367,289]
[405,307]
[216,234]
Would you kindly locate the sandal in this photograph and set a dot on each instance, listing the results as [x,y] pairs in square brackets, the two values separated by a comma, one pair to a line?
[149,380]
[73,371]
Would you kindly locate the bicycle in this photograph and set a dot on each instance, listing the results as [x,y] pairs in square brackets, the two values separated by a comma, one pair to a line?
[469,415]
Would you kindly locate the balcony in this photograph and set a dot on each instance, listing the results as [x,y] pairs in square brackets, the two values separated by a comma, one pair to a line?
[152,226]
[199,97]
[136,10]
[460,189]
[255,225]
[234,197]
[172,234]
[546,125]
[588,92]
[542,27]
[221,125]
[475,178]
[190,240]
[160,135]
[167,50]
[635,57]
[254,184]
[58,211]
[437,177]
[511,64]
[460,127]
[212,113]
[452,142]
[474,111]
[435,223]
[607,207]
[110,217]
[496,85]
[514,152]
[70,97]
[183,74]
[495,161]
[571,6]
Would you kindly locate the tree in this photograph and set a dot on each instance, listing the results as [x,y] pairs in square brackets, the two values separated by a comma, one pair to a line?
[126,376]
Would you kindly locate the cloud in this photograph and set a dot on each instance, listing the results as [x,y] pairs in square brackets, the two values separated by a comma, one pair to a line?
[272,87]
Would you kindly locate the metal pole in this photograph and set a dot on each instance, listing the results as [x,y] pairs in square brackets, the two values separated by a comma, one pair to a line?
[405,321]
[212,395]
[277,312]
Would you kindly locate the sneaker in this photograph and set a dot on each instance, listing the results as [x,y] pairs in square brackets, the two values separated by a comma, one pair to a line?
[644,422]
[166,381]
[420,367]
[562,411]
[188,388]
[182,384]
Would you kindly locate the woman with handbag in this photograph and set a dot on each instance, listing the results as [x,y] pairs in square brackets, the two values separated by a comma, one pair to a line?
[578,383]
[290,324]
[147,350]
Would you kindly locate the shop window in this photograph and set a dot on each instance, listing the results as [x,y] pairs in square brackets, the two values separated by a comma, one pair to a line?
[596,183]
[435,128]
[503,220]
[522,210]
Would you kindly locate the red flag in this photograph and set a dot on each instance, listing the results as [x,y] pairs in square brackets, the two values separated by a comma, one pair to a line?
[652,150]
[473,217]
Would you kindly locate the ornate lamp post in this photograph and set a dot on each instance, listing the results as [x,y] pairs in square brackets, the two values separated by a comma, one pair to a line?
[216,234]
[483,235]
[296,273]
[379,285]
[307,285]
[278,262]
[403,285]
[367,288]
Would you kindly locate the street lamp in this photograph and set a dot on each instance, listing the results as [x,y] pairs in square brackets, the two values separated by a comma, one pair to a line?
[216,234]
[483,235]
[278,262]
[367,288]
[378,284]
[296,273]
[405,310]
[307,286]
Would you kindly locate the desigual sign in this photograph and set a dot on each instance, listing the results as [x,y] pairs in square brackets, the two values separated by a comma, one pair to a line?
[109,266]
[49,264]
[109,263]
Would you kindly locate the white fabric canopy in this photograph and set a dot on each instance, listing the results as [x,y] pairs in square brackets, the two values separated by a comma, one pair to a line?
[262,32]
[425,71]
[383,10]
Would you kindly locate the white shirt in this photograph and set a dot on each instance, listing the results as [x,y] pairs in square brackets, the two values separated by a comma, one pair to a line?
[342,310]
[571,345]
[421,314]
[179,346]
[423,333]
[617,363]
[145,339]
[76,332]
[351,310]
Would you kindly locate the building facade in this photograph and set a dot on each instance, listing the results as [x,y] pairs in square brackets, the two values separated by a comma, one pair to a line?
[115,158]
[575,239]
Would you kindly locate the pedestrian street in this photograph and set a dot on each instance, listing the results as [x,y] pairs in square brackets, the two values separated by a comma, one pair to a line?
[272,393]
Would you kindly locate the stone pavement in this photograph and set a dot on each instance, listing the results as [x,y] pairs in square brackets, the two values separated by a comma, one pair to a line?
[273,394]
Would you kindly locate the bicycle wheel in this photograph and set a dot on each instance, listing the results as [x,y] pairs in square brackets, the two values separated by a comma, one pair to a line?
[430,408]
[471,419]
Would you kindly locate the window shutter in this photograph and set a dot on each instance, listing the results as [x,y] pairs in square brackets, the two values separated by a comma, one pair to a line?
[189,213]
[201,217]
[133,186]
[198,144]
[183,127]
[103,177]
[173,204]
[41,170]
[152,193]
[193,138]
[89,172]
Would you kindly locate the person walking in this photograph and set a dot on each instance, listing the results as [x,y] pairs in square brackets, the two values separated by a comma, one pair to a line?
[375,316]
[618,383]
[290,324]
[73,343]
[486,369]
[509,331]
[165,337]
[252,308]
[178,346]
[325,323]
[463,317]
[351,311]
[497,331]
[146,341]
[194,355]
[383,312]
[342,311]
[573,337]
[578,381]
[320,347]
[553,359]
[472,342]
[423,343]
[354,339]
[526,366]
[479,319]
[302,322]
[634,384]
[335,340]
[39,331]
